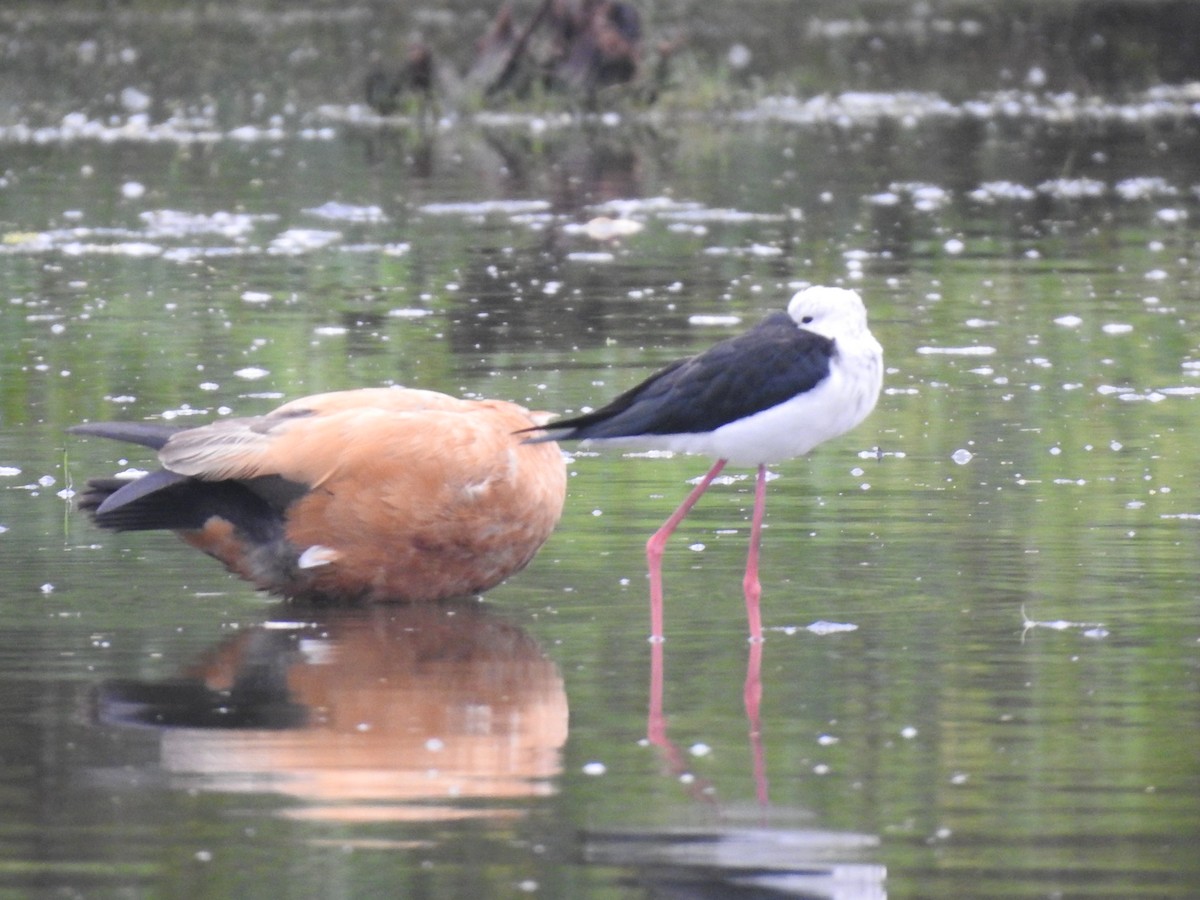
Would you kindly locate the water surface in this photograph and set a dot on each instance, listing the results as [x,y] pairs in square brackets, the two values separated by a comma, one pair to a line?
[982,670]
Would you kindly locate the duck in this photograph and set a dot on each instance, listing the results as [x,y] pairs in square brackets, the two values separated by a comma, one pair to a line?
[360,496]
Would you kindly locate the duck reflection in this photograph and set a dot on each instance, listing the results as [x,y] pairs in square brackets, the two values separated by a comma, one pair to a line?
[396,713]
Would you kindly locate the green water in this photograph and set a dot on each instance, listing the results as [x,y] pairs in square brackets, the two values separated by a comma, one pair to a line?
[1009,704]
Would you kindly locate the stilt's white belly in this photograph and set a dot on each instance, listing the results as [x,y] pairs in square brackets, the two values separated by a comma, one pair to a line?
[788,430]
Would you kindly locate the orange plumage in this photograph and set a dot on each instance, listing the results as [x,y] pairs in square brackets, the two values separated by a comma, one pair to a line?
[376,494]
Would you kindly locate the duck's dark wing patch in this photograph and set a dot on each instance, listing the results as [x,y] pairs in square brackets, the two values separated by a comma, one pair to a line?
[146,434]
[165,500]
[736,378]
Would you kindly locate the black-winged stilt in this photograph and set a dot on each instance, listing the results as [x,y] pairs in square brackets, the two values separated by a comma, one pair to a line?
[795,380]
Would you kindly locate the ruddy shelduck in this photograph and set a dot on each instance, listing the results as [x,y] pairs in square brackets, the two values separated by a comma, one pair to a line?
[379,494]
[797,379]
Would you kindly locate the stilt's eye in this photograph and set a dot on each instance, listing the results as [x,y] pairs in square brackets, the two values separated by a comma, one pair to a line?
[807,320]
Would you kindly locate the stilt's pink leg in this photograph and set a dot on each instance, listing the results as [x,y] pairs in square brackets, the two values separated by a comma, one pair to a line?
[656,723]
[658,541]
[750,584]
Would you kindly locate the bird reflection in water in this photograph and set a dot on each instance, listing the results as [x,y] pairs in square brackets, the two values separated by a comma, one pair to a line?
[771,852]
[408,712]
[656,725]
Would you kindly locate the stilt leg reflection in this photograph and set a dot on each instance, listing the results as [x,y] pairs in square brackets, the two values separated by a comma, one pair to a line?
[752,694]
[656,725]
[656,731]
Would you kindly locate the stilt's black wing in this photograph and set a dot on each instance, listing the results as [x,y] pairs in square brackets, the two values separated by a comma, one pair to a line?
[771,363]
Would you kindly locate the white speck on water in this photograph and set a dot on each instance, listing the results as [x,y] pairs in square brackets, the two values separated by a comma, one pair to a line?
[135,100]
[409,313]
[252,373]
[1156,275]
[993,191]
[597,512]
[255,297]
[1144,188]
[738,56]
[528,886]
[331,330]
[347,212]
[594,768]
[954,246]
[47,588]
[962,456]
[605,228]
[821,627]
[1116,328]
[1073,188]
[974,350]
[696,547]
[1097,629]
[700,749]
[959,778]
[714,320]
[827,740]
[593,257]
[132,190]
[204,856]
[47,481]
[296,241]
[9,471]
[1069,321]
[1055,451]
[821,769]
[1171,216]
[927,197]
[908,732]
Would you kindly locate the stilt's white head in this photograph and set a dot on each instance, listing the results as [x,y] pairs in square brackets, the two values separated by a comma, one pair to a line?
[836,313]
